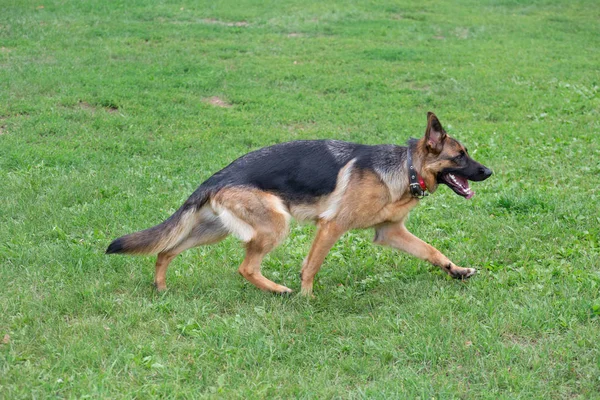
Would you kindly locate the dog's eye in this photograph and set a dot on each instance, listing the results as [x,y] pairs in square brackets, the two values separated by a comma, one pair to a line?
[460,156]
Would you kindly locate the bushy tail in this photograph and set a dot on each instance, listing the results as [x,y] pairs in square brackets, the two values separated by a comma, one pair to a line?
[165,235]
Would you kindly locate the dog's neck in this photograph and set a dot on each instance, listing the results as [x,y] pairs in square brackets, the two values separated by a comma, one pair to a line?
[416,184]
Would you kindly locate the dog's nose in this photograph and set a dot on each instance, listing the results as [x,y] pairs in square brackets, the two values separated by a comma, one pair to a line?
[486,172]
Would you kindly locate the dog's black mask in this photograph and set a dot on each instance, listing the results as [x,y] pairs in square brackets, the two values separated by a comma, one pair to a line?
[466,170]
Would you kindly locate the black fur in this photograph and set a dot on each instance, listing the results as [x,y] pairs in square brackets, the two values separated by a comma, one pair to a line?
[469,168]
[115,247]
[301,170]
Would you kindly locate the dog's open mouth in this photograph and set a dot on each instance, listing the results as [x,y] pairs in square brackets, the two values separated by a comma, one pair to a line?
[458,183]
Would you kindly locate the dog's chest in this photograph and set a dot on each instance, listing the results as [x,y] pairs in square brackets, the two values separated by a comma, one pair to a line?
[398,210]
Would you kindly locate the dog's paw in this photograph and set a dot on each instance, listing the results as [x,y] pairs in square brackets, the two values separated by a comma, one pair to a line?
[283,292]
[462,273]
[470,272]
[307,292]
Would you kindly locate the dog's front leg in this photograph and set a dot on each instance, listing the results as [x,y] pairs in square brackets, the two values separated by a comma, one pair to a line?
[397,236]
[328,232]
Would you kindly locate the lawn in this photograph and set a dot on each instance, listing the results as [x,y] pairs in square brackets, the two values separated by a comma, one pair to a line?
[113,112]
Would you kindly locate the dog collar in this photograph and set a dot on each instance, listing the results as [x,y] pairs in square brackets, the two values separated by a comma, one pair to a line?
[418,188]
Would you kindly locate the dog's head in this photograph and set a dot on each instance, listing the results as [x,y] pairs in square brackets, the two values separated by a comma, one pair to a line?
[447,161]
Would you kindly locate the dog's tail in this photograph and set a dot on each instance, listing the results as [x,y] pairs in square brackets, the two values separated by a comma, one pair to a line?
[165,235]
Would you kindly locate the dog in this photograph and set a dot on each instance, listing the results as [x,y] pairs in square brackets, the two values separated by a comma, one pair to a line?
[337,185]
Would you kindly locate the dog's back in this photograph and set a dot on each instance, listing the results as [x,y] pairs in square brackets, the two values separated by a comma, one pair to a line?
[298,171]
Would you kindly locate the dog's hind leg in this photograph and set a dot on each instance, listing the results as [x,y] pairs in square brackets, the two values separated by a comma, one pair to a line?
[210,230]
[261,221]
[397,236]
[162,263]
[250,268]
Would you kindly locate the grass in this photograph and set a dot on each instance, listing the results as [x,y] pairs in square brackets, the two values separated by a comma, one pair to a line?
[111,113]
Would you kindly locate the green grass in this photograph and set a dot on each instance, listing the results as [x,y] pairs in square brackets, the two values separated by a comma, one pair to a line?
[105,129]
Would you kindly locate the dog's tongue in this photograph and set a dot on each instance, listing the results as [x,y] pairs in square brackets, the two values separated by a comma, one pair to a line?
[463,183]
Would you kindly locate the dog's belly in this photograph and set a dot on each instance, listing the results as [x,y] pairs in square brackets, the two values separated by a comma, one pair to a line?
[308,212]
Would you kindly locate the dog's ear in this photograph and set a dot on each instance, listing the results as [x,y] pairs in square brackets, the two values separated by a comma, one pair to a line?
[434,134]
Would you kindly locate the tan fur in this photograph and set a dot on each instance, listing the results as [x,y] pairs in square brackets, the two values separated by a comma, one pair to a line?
[328,232]
[164,236]
[396,235]
[367,202]
[308,212]
[334,200]
[362,198]
[265,216]
[208,231]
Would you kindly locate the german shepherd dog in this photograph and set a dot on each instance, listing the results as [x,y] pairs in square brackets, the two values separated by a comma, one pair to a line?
[337,185]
